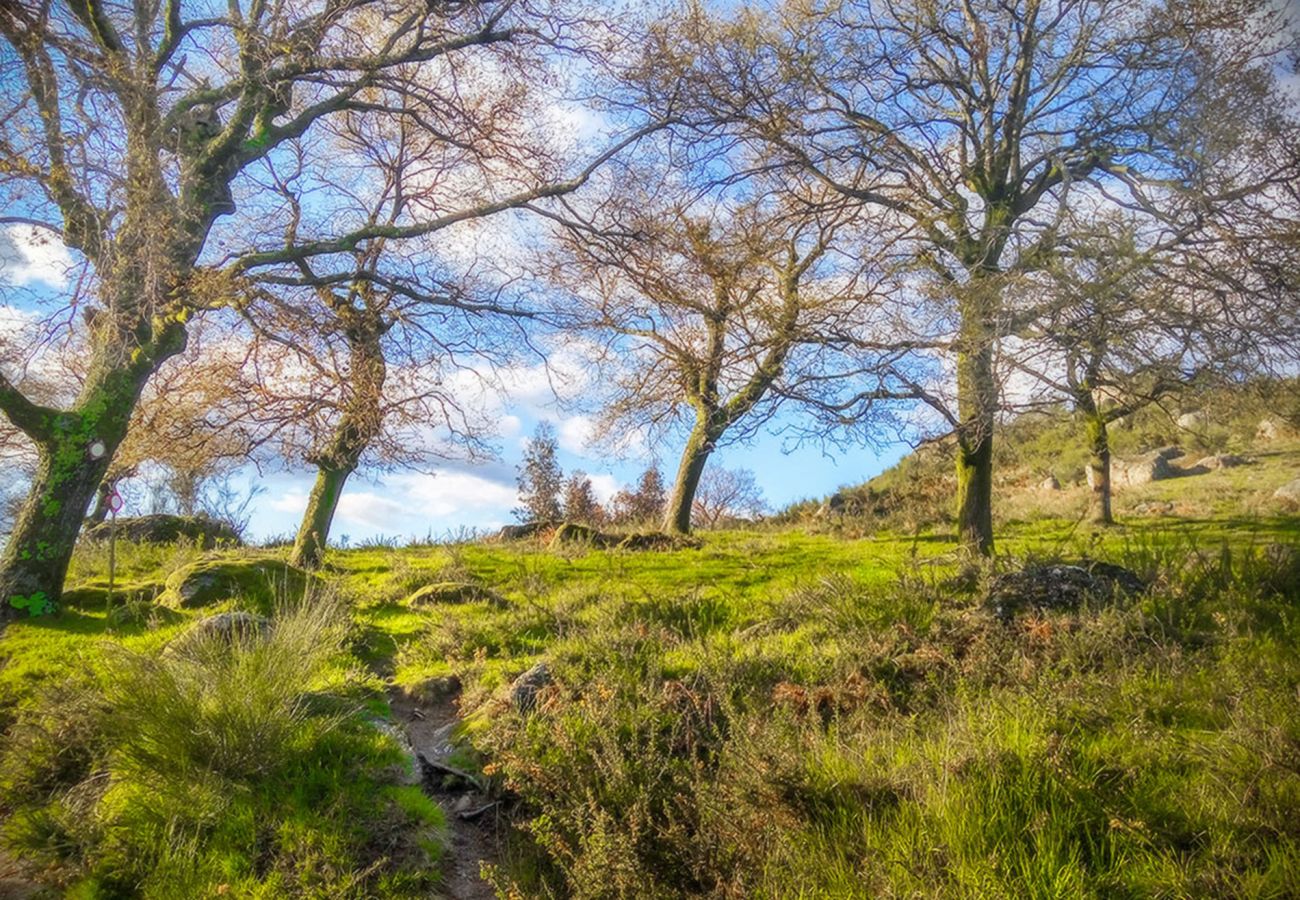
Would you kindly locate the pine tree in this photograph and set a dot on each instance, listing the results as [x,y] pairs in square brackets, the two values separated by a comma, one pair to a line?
[540,478]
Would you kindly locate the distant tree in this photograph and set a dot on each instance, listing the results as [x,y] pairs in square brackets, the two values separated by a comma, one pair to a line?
[643,503]
[541,481]
[580,503]
[727,494]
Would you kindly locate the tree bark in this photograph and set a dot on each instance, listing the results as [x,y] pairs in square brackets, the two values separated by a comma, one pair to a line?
[1098,460]
[36,558]
[976,401]
[313,533]
[677,518]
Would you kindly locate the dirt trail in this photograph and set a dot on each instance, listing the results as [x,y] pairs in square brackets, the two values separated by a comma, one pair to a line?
[474,832]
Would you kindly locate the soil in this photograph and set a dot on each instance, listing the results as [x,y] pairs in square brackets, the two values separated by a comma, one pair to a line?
[472,839]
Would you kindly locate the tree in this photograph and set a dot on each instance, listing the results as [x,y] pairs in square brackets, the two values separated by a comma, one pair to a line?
[727,494]
[579,502]
[968,126]
[541,480]
[715,316]
[643,503]
[142,126]
[1120,320]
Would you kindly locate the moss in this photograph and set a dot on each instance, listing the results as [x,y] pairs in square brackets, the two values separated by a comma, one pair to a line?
[256,582]
[453,592]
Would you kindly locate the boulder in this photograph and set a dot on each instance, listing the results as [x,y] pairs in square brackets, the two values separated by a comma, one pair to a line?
[572,533]
[1050,483]
[1194,421]
[1270,429]
[1153,466]
[452,593]
[1289,492]
[1060,587]
[525,531]
[261,582]
[227,628]
[525,688]
[1220,461]
[167,529]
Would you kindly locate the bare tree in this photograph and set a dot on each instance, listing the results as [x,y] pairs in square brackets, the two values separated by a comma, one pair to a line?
[713,316]
[970,127]
[141,126]
[727,494]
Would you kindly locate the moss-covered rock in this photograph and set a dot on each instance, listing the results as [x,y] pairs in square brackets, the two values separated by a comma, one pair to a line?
[258,581]
[571,533]
[166,529]
[453,592]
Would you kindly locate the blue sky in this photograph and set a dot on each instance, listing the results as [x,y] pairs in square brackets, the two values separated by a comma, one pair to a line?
[458,495]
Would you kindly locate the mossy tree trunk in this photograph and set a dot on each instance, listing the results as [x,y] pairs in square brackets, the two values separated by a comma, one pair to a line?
[75,448]
[976,403]
[700,444]
[358,426]
[1099,480]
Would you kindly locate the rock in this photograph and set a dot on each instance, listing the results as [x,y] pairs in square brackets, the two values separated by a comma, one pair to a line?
[1194,421]
[1060,586]
[1173,451]
[261,582]
[1270,429]
[1289,492]
[573,533]
[1220,461]
[166,529]
[525,688]
[1050,483]
[657,541]
[1153,466]
[228,628]
[452,593]
[525,531]
[1155,508]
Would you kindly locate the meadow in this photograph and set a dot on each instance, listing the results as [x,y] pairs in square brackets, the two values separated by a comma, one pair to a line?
[783,711]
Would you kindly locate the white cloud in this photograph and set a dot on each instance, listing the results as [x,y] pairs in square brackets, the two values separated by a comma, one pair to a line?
[33,254]
[292,501]
[371,510]
[575,433]
[605,487]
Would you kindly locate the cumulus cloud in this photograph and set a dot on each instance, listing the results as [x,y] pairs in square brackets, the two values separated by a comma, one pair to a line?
[30,255]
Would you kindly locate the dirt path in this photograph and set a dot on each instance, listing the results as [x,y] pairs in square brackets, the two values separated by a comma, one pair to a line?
[473,830]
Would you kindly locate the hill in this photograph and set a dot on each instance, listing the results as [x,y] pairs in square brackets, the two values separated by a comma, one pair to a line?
[774,713]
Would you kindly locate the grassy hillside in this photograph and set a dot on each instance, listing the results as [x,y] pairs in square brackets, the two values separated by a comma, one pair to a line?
[916,494]
[774,714]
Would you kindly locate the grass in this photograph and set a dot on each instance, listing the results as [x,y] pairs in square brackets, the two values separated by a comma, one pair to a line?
[778,713]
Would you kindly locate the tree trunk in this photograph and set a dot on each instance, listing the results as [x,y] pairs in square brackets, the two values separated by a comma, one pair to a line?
[976,400]
[40,547]
[360,423]
[313,533]
[677,518]
[1098,461]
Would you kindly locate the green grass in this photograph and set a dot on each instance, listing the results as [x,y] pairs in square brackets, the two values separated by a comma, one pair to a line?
[777,713]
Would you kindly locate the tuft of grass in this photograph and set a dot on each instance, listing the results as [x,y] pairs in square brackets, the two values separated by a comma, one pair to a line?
[241,768]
